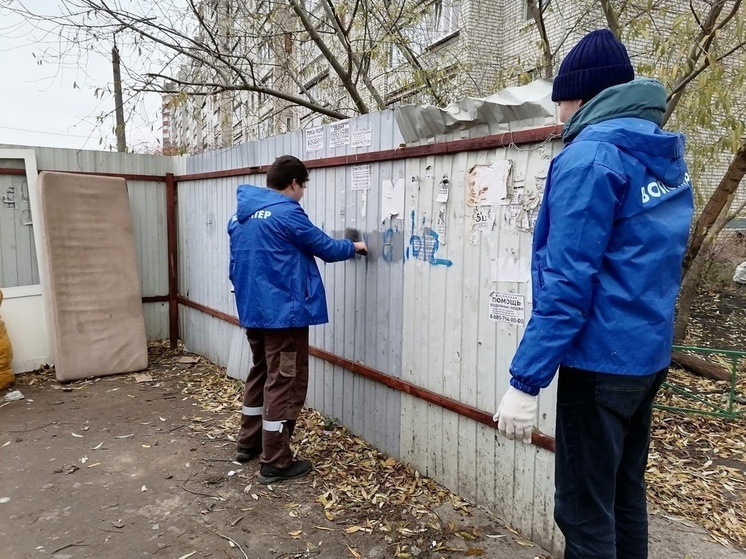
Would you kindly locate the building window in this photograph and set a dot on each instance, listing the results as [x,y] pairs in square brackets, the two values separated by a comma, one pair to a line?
[445,17]
[438,20]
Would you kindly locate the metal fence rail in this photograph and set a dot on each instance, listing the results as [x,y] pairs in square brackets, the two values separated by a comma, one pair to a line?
[715,409]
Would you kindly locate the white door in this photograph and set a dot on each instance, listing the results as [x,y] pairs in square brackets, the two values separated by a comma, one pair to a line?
[24,308]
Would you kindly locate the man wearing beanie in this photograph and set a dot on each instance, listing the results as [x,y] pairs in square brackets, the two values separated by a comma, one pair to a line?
[607,255]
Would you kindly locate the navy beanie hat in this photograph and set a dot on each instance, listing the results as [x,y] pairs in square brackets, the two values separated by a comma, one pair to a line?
[598,61]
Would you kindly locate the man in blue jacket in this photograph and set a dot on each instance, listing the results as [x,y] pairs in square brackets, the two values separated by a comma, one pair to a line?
[608,250]
[279,294]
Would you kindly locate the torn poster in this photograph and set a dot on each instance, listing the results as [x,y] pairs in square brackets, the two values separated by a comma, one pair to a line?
[508,307]
[510,266]
[443,190]
[392,198]
[487,185]
[361,137]
[440,224]
[483,219]
[339,134]
[360,177]
[315,138]
[522,212]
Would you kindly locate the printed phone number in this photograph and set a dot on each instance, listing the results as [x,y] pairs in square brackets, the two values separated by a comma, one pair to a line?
[507,318]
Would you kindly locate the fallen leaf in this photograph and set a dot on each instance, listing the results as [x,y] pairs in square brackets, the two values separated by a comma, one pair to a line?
[255,496]
[76,435]
[140,378]
[99,445]
[352,529]
[295,534]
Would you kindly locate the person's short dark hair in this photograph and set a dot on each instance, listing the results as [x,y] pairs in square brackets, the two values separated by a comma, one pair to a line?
[282,172]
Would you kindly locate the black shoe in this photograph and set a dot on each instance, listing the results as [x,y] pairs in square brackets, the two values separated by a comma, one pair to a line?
[247,454]
[270,474]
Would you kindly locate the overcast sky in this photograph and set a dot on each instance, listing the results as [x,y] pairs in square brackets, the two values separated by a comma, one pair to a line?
[53,103]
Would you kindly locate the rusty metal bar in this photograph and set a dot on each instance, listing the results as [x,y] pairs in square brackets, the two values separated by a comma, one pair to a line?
[455,146]
[12,171]
[126,176]
[173,279]
[537,438]
[155,299]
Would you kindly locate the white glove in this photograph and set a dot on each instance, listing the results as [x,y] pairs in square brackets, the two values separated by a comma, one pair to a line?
[515,416]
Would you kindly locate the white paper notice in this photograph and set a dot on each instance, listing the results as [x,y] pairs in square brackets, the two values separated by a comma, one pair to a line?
[360,177]
[443,190]
[315,138]
[361,137]
[508,266]
[392,199]
[507,307]
[487,185]
[483,219]
[339,134]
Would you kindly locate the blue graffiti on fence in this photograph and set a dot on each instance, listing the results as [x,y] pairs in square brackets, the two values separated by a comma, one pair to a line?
[425,247]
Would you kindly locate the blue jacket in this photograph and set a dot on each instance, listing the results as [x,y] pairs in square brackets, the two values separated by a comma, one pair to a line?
[272,266]
[609,242]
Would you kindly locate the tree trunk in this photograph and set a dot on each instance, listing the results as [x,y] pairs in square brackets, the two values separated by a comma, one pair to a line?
[728,185]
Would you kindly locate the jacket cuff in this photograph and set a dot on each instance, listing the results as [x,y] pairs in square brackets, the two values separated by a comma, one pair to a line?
[523,387]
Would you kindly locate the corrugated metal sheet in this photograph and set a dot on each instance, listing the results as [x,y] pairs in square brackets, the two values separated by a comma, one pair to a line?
[361,328]
[417,308]
[509,109]
[417,315]
[18,266]
[453,348]
[148,203]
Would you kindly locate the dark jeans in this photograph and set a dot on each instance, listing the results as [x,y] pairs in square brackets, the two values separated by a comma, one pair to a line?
[603,432]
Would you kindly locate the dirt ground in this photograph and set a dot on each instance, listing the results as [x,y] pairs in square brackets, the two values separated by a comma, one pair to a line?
[116,468]
[140,466]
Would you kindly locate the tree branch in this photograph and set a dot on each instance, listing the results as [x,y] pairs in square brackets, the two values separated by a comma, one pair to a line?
[219,88]
[611,18]
[354,58]
[700,46]
[538,16]
[322,46]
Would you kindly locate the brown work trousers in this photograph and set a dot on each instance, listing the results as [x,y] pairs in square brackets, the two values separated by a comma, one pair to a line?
[275,392]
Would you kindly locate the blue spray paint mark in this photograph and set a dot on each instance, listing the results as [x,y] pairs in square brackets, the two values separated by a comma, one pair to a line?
[425,247]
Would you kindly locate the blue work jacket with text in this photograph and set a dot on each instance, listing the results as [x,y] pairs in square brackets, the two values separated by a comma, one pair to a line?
[609,242]
[272,266]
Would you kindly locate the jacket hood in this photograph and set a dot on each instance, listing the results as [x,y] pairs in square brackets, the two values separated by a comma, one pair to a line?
[629,116]
[643,98]
[252,198]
